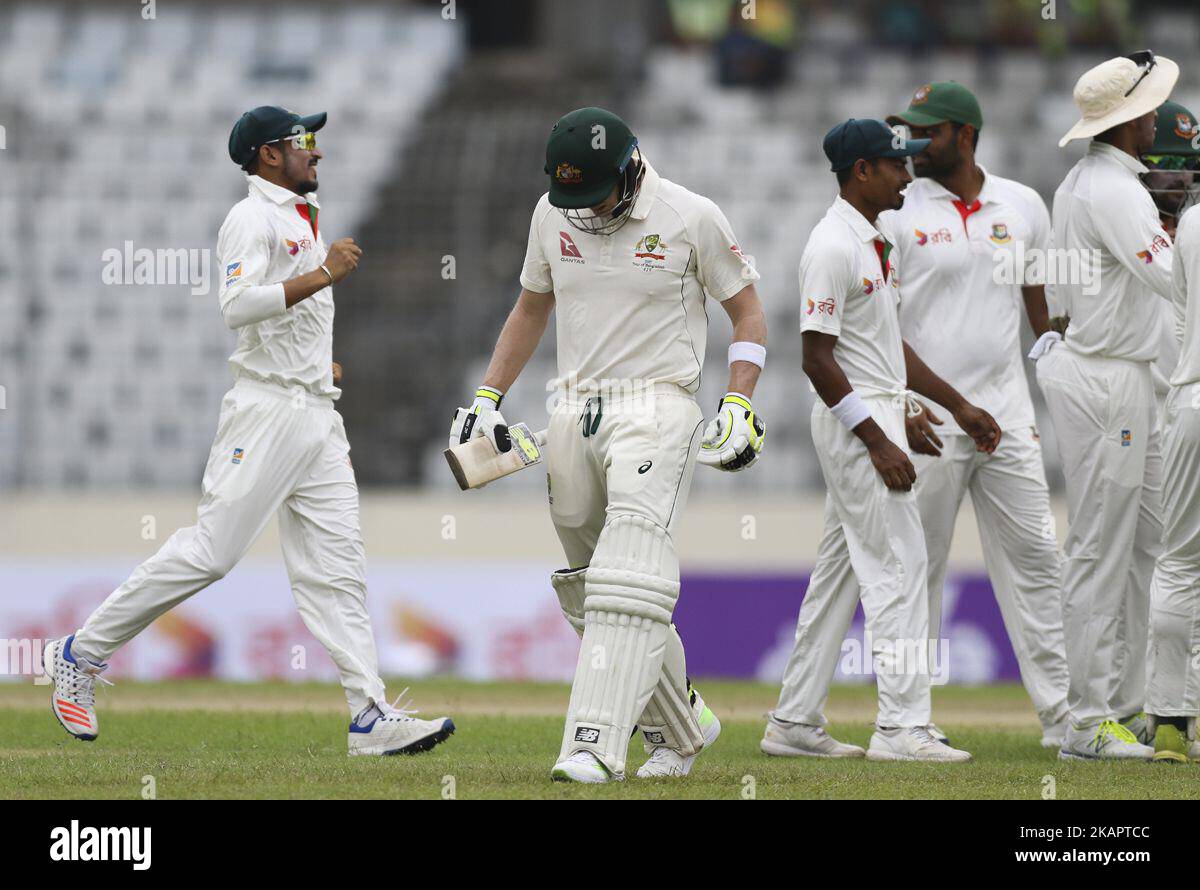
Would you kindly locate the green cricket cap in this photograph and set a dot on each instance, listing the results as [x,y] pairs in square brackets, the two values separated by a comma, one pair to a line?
[1175,131]
[586,154]
[935,103]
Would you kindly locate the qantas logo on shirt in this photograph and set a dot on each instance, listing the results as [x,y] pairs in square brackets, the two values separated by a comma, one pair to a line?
[570,253]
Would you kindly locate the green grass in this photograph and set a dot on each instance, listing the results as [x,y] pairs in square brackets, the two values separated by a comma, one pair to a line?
[201,739]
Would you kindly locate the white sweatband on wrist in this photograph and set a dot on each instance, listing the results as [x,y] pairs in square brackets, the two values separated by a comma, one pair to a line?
[851,410]
[745,351]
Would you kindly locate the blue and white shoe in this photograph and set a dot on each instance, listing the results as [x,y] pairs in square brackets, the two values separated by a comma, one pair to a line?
[74,698]
[382,729]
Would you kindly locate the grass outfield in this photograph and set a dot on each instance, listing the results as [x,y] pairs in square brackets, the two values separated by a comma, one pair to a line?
[202,739]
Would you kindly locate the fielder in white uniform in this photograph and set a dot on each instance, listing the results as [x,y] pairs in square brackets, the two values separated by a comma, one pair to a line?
[862,371]
[625,258]
[1100,394]
[973,247]
[1173,674]
[280,449]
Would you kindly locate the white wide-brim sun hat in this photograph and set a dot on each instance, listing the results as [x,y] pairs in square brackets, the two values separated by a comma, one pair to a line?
[1111,94]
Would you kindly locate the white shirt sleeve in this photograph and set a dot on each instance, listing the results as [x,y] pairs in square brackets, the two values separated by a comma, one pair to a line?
[721,267]
[535,273]
[825,279]
[1127,223]
[243,254]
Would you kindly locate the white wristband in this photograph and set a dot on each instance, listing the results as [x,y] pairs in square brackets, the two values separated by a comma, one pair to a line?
[851,410]
[745,351]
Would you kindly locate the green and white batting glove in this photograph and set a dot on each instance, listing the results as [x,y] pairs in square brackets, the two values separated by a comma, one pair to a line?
[734,438]
[483,418]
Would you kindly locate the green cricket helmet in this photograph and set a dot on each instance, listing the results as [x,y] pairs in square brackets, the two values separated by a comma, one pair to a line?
[590,152]
[1174,160]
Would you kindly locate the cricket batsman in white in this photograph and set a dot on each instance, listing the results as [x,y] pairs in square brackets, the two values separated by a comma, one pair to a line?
[625,258]
[862,372]
[280,449]
[1100,392]
[1173,672]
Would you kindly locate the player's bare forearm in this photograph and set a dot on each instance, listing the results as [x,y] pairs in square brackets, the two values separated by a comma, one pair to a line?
[518,338]
[745,310]
[831,382]
[923,381]
[1034,296]
[304,286]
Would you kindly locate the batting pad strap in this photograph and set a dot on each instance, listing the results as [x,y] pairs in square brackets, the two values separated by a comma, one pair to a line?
[851,410]
[631,593]
[745,351]
[569,585]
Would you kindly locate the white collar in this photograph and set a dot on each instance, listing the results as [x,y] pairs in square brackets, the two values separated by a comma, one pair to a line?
[1126,160]
[859,223]
[278,193]
[648,192]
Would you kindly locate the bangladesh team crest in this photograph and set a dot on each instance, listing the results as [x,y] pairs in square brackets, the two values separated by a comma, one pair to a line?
[1185,127]
[1000,233]
[922,94]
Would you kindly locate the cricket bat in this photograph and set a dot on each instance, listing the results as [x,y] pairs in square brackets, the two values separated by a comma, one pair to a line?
[475,463]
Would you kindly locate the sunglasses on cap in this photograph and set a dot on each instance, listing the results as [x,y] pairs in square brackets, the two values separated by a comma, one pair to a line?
[1172,162]
[1145,60]
[300,141]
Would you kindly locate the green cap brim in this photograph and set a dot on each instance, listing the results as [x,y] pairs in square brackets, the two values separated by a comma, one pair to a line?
[917,119]
[580,199]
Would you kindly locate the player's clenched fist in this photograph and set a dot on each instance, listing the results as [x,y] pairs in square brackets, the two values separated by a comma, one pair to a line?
[734,438]
[342,258]
[483,418]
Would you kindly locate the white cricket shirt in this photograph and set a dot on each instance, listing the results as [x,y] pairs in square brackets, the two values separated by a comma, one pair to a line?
[954,311]
[1186,297]
[630,306]
[848,289]
[1103,206]
[270,236]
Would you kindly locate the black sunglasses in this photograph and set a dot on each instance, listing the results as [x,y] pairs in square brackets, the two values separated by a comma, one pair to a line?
[1142,58]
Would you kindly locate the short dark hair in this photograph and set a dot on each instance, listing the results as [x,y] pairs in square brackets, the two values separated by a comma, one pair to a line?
[974,134]
[843,176]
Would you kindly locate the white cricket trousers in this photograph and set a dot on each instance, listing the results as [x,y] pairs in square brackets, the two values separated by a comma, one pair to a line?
[276,451]
[1103,411]
[1173,684]
[872,548]
[1020,550]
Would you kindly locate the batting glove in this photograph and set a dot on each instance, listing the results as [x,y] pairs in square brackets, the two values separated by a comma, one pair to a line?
[483,418]
[734,438]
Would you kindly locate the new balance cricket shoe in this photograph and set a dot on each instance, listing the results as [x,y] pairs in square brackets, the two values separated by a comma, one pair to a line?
[383,729]
[74,698]
[664,761]
[1140,727]
[1170,744]
[1108,741]
[912,743]
[585,767]
[784,739]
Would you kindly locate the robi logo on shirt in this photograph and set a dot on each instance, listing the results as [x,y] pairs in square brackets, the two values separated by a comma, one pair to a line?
[570,253]
[869,286]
